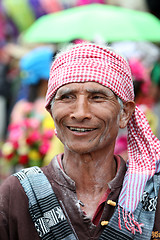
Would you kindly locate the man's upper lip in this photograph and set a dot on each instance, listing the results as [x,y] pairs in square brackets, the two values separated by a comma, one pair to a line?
[84,127]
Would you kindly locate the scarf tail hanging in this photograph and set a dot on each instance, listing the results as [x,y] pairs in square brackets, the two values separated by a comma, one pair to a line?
[129,221]
[143,164]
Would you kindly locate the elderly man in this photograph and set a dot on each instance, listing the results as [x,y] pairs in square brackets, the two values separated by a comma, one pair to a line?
[87,192]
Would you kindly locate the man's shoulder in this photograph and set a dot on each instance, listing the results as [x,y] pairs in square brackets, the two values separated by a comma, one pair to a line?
[9,184]
[11,191]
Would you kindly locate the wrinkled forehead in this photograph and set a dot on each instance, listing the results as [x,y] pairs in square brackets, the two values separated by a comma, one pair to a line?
[91,63]
[85,87]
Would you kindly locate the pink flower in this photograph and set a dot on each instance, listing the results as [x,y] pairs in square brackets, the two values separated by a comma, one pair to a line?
[140,73]
[15,135]
[33,137]
[121,144]
[15,132]
[32,123]
[48,134]
[14,126]
[44,147]
[15,144]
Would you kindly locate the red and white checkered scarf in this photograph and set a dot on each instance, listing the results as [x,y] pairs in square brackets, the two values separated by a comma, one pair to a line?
[89,62]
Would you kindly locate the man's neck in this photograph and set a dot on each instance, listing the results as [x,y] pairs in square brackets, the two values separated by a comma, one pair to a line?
[91,174]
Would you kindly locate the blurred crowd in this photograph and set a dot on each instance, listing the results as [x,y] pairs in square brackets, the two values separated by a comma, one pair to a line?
[27,135]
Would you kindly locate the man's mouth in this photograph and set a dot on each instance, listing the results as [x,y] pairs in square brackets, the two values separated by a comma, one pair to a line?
[75,129]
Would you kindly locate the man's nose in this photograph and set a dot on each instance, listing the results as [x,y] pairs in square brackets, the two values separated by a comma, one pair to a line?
[81,109]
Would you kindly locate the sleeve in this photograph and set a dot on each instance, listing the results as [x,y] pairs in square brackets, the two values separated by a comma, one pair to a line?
[15,220]
[4,209]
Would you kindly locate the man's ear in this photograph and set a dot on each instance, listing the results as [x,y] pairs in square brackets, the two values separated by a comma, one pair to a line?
[126,113]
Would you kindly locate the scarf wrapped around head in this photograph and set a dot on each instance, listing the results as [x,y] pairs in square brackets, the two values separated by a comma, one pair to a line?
[90,62]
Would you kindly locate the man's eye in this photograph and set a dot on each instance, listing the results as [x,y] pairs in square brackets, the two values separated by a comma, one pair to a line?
[67,96]
[98,97]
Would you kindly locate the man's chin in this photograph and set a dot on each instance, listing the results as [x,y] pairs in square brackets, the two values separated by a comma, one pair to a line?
[81,150]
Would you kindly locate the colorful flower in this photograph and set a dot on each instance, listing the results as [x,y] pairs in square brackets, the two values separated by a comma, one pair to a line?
[23,159]
[44,147]
[29,140]
[34,155]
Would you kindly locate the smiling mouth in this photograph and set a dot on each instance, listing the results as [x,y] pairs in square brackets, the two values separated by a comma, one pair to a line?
[81,129]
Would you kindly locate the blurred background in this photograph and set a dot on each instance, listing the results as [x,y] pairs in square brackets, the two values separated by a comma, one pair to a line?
[33,31]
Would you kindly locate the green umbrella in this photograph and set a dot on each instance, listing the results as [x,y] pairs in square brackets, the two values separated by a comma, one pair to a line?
[110,23]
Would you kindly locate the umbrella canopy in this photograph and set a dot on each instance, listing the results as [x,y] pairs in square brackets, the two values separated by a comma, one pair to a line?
[110,23]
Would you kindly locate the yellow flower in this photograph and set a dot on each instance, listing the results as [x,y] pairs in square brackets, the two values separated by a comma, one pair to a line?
[34,155]
[7,148]
[48,122]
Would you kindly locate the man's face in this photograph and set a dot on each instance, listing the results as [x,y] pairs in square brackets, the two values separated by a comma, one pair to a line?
[86,116]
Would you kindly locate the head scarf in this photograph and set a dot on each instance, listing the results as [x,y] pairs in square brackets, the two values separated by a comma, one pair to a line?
[90,62]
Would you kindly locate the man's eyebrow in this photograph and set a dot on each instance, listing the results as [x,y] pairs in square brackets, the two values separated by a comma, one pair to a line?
[61,92]
[95,91]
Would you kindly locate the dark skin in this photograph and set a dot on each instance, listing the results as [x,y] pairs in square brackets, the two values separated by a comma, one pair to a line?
[87,117]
